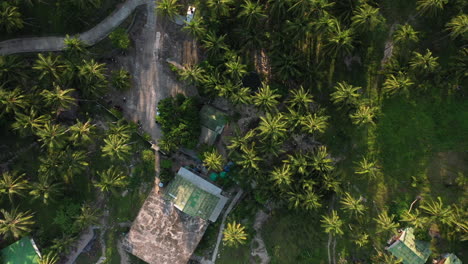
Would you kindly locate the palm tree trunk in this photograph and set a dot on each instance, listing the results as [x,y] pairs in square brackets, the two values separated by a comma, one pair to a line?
[328,247]
[332,69]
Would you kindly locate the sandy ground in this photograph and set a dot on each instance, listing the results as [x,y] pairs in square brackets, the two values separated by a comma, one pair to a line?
[158,40]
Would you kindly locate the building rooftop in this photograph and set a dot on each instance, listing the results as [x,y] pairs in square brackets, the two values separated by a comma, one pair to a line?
[23,251]
[212,118]
[163,234]
[408,249]
[195,196]
[450,258]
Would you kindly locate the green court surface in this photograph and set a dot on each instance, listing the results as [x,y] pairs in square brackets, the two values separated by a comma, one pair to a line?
[20,252]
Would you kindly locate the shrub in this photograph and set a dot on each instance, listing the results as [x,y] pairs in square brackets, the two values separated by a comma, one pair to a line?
[120,39]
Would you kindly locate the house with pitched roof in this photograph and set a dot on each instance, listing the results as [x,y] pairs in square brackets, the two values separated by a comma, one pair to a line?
[170,225]
[448,258]
[406,247]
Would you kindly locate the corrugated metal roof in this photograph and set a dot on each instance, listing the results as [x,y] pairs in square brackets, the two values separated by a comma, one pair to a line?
[20,252]
[212,118]
[195,196]
[410,250]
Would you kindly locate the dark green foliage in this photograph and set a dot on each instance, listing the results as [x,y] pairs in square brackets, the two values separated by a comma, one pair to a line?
[180,122]
[120,39]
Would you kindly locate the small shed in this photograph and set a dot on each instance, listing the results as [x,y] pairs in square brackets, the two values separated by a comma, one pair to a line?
[449,258]
[404,246]
[23,251]
[212,123]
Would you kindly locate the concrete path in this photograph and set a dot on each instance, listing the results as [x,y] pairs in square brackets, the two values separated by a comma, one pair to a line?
[90,37]
[221,228]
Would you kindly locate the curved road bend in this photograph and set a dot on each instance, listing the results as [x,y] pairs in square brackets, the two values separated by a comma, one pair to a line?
[90,37]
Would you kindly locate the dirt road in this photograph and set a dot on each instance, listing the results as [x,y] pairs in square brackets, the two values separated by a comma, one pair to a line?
[157,41]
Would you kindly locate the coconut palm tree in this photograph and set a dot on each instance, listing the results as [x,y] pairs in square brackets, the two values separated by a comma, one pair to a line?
[360,239]
[213,160]
[234,235]
[48,258]
[241,96]
[241,141]
[62,244]
[235,68]
[424,63]
[385,222]
[111,179]
[298,162]
[72,163]
[294,119]
[405,34]
[277,9]
[315,123]
[28,124]
[321,160]
[74,45]
[366,18]
[45,189]
[116,148]
[286,65]
[49,67]
[12,101]
[10,18]
[300,99]
[121,79]
[52,136]
[195,28]
[168,8]
[88,216]
[58,99]
[13,184]
[219,7]
[340,42]
[12,69]
[80,133]
[294,200]
[282,175]
[414,218]
[251,12]
[311,200]
[214,45]
[364,115]
[437,212]
[430,7]
[353,206]
[249,158]
[15,224]
[345,94]
[90,70]
[332,224]
[397,83]
[266,98]
[367,167]
[120,128]
[272,127]
[458,26]
[331,182]
[192,73]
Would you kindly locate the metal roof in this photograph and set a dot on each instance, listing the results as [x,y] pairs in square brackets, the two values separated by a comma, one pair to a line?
[195,196]
[212,118]
[20,252]
[410,250]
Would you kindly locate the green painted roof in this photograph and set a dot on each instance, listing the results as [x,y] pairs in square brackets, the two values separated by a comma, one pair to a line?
[410,250]
[212,118]
[190,199]
[452,259]
[20,252]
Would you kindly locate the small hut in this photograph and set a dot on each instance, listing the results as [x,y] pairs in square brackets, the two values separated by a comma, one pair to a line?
[212,123]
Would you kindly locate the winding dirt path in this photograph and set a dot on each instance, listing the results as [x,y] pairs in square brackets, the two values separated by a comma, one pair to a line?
[90,37]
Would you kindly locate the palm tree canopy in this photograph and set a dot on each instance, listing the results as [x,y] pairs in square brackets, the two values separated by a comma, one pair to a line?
[332,224]
[266,98]
[364,115]
[396,83]
[282,175]
[424,62]
[430,7]
[366,17]
[59,99]
[15,224]
[213,160]
[52,135]
[10,17]
[13,184]
[168,8]
[385,222]
[300,99]
[111,179]
[116,148]
[458,26]
[345,94]
[13,101]
[405,34]
[252,12]
[352,205]
[234,234]
[272,127]
[45,189]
